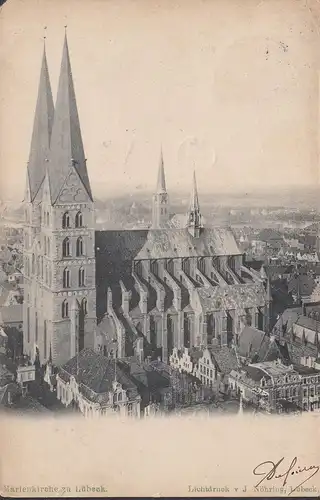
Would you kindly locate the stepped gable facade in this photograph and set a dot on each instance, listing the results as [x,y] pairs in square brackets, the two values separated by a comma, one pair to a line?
[140,292]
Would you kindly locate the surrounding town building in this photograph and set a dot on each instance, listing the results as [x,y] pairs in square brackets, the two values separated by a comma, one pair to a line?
[267,384]
[97,386]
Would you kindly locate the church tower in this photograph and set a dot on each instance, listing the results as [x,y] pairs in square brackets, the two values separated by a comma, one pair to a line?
[160,207]
[38,158]
[194,218]
[66,306]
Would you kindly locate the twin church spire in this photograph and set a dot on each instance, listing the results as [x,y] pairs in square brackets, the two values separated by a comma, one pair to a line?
[42,129]
[160,209]
[56,145]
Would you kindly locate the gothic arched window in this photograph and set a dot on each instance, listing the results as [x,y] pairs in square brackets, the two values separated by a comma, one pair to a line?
[66,278]
[66,248]
[48,246]
[79,246]
[84,305]
[211,324]
[79,219]
[65,309]
[66,220]
[81,276]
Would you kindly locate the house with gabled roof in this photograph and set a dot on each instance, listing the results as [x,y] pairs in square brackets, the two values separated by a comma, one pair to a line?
[97,386]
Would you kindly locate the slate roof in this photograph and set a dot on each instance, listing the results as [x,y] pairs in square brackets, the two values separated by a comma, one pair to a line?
[11,314]
[269,235]
[312,310]
[231,297]
[164,244]
[66,140]
[225,358]
[303,284]
[305,370]
[27,405]
[255,373]
[309,324]
[250,341]
[298,350]
[96,372]
[255,264]
[273,271]
[288,317]
[42,128]
[144,375]
[271,350]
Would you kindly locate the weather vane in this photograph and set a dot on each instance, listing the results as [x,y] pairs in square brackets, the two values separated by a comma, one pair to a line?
[44,34]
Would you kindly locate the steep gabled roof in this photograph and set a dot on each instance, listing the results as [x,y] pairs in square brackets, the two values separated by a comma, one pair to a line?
[250,341]
[225,358]
[42,128]
[66,148]
[96,372]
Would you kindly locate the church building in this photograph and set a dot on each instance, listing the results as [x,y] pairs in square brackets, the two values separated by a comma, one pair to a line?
[126,292]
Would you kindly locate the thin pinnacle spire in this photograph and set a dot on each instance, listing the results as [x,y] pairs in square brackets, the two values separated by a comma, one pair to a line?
[194,215]
[44,37]
[194,200]
[161,183]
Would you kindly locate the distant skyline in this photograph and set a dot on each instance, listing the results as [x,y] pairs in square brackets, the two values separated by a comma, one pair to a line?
[229,88]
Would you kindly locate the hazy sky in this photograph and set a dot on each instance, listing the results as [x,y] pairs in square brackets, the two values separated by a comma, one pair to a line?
[231,87]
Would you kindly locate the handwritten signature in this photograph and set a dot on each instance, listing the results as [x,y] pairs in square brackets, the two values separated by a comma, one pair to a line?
[271,470]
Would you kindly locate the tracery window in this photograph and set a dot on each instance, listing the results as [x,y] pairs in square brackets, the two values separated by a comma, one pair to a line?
[81,276]
[66,250]
[66,278]
[79,220]
[65,309]
[66,220]
[79,246]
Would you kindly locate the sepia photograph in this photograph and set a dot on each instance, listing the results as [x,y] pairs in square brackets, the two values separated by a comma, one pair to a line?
[160,247]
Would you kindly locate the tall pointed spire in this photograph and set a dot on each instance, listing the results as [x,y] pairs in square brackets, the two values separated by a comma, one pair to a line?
[194,222]
[161,183]
[42,128]
[194,200]
[160,206]
[66,142]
